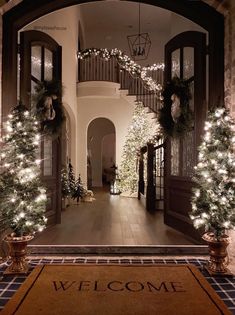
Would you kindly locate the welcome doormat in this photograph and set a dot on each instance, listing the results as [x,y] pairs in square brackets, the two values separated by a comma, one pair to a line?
[114,290]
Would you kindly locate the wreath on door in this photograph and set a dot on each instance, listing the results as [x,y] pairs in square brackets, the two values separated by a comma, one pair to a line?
[176,117]
[49,108]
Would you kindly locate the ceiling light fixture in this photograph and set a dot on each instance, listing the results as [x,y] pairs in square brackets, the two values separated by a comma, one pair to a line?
[139,44]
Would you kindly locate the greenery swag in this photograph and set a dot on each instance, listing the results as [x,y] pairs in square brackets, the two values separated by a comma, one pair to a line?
[49,108]
[175,116]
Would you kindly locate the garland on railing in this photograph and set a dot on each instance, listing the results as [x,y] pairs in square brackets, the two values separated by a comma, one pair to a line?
[127,64]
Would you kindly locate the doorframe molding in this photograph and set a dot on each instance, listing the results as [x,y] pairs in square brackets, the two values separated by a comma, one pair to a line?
[28,10]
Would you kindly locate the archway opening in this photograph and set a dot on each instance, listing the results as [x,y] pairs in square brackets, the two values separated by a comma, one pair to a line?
[101,155]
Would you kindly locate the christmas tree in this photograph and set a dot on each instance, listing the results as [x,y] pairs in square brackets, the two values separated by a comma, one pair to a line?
[22,197]
[65,187]
[213,202]
[80,190]
[71,179]
[141,131]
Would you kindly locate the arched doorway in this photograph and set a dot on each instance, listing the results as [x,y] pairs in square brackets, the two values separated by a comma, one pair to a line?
[198,12]
[100,152]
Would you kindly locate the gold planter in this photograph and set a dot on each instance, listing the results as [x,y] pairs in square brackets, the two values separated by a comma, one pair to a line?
[17,253]
[218,261]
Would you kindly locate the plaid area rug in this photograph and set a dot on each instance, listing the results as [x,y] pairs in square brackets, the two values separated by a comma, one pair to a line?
[224,287]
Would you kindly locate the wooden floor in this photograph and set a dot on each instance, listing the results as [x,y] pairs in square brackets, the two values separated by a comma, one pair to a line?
[110,220]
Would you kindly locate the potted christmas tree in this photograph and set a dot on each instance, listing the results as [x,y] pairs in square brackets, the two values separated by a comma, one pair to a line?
[213,202]
[22,197]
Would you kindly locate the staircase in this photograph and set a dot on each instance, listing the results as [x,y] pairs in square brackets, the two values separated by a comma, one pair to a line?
[95,68]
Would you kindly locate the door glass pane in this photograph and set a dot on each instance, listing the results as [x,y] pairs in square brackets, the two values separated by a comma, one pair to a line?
[36,61]
[188,143]
[175,161]
[48,65]
[175,63]
[188,154]
[188,68]
[47,159]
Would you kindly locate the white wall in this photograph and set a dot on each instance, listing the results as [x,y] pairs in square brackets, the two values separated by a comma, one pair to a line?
[116,108]
[62,26]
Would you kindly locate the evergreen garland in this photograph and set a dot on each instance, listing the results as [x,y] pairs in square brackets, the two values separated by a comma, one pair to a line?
[213,202]
[22,196]
[180,89]
[49,108]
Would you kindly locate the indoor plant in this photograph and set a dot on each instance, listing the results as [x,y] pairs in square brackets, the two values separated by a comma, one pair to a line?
[213,202]
[22,197]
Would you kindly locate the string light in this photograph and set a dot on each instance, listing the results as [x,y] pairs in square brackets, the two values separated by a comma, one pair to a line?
[127,64]
[213,199]
[20,174]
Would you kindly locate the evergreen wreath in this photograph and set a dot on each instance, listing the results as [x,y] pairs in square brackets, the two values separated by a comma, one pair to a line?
[176,117]
[49,108]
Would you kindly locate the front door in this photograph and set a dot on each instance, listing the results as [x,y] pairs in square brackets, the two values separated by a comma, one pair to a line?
[185,57]
[40,60]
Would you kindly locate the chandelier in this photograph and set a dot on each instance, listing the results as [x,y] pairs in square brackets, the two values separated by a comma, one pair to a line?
[139,44]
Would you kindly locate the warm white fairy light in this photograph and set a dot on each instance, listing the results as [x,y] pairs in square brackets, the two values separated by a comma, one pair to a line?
[213,199]
[20,174]
[127,64]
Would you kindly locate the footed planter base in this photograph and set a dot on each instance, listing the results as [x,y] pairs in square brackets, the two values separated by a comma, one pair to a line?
[17,253]
[218,261]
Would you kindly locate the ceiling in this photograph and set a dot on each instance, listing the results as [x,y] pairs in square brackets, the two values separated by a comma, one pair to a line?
[122,16]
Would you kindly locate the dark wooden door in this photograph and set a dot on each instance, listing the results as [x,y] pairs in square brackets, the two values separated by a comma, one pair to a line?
[185,57]
[40,59]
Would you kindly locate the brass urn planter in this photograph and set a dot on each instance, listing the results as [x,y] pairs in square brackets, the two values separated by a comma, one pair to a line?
[218,261]
[17,252]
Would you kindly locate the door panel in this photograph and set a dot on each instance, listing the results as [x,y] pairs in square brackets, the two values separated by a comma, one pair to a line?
[40,59]
[185,57]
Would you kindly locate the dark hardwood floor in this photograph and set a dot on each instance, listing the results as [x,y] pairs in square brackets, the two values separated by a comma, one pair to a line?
[110,220]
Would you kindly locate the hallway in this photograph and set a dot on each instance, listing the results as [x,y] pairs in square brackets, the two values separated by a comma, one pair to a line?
[110,220]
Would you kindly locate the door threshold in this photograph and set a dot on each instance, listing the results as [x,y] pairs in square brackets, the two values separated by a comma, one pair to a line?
[118,249]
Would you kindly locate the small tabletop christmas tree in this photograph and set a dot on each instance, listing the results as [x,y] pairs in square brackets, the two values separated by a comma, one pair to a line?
[213,202]
[80,190]
[22,196]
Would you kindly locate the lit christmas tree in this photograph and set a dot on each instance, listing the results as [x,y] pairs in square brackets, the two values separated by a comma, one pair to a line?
[65,187]
[141,131]
[71,179]
[213,202]
[22,197]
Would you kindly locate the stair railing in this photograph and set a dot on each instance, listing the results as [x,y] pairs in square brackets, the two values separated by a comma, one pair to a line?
[95,68]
